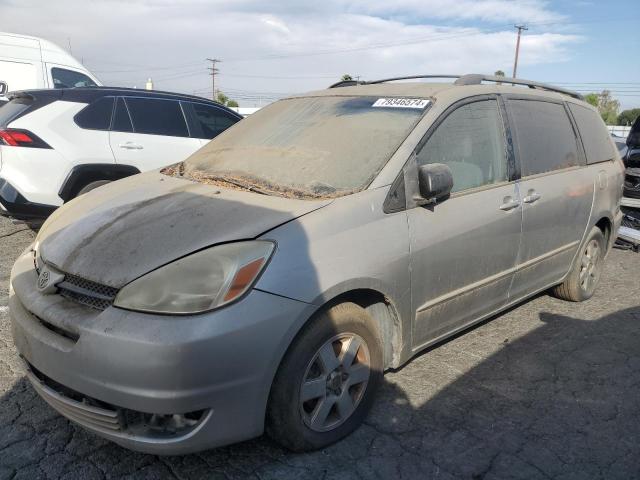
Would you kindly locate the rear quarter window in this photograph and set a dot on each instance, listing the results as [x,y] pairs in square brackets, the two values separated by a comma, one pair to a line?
[208,121]
[595,137]
[97,115]
[546,139]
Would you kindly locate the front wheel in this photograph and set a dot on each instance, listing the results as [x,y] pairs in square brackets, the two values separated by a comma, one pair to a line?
[327,380]
[585,274]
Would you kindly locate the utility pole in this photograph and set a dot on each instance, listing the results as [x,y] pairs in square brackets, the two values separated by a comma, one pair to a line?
[515,63]
[213,70]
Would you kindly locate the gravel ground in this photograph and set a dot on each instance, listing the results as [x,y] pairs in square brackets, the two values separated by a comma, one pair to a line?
[549,389]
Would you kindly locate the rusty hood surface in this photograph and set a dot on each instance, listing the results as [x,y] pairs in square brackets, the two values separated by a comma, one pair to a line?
[119,232]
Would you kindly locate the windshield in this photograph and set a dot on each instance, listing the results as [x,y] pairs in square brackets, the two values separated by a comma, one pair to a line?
[313,147]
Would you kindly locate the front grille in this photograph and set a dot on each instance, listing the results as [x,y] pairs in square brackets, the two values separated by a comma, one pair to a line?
[86,292]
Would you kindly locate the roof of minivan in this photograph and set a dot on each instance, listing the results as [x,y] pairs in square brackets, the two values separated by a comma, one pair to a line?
[432,90]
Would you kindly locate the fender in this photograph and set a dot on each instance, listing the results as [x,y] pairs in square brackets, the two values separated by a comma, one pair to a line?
[81,175]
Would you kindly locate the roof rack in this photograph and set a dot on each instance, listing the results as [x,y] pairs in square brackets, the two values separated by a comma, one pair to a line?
[477,79]
[469,79]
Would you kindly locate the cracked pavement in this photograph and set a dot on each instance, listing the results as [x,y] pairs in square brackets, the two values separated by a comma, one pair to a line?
[549,389]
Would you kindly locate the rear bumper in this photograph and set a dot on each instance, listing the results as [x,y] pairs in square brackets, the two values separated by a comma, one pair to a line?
[14,204]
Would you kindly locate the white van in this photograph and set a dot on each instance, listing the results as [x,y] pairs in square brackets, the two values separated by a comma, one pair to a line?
[30,62]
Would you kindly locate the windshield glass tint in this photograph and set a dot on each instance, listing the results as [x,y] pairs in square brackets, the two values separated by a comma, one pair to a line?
[310,147]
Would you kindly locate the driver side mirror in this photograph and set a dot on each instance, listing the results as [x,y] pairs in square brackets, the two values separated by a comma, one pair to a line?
[435,182]
[3,88]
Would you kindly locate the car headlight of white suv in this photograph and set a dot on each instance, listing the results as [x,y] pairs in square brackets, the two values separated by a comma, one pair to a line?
[199,282]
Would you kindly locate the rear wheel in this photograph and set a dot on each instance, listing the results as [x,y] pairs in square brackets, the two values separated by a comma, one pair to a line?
[90,186]
[327,380]
[585,274]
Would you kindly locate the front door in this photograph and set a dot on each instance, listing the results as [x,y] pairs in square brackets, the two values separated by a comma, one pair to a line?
[464,249]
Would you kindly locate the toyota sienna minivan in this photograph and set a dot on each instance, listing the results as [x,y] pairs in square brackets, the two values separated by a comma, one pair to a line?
[268,281]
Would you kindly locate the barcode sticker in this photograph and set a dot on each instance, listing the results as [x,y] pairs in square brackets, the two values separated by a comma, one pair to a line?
[401,103]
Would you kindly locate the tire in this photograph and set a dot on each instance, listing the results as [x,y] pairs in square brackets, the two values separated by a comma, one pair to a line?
[90,186]
[302,425]
[585,274]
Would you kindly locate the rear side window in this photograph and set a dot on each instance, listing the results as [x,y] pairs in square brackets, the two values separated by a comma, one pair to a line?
[121,119]
[594,135]
[96,116]
[546,139]
[209,121]
[470,141]
[157,117]
[63,78]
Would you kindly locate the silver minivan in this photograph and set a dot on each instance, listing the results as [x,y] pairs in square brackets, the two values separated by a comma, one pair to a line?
[266,283]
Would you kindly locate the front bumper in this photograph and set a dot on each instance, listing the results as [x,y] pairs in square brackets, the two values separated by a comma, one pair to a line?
[222,362]
[14,204]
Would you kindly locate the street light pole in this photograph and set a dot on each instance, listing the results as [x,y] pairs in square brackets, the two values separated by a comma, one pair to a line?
[515,63]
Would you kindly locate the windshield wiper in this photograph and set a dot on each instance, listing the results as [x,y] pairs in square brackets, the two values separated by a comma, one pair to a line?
[237,183]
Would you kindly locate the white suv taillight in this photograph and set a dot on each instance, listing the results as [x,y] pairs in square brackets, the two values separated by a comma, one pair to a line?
[14,137]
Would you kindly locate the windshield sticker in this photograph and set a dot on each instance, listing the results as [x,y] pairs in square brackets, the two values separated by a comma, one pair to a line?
[401,103]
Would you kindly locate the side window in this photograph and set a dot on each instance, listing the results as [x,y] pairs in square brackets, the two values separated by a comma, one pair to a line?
[97,115]
[470,141]
[595,137]
[63,78]
[546,139]
[157,117]
[209,121]
[121,120]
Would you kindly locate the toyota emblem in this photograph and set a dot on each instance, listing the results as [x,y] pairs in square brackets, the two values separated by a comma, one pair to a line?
[43,280]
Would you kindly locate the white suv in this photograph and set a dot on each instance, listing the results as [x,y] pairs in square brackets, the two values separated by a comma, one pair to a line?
[58,144]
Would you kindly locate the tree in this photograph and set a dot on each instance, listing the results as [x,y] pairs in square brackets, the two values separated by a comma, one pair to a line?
[499,73]
[606,105]
[627,117]
[224,100]
[346,78]
[591,99]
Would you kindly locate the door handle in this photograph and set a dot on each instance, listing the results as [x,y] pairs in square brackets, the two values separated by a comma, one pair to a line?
[131,146]
[509,204]
[532,196]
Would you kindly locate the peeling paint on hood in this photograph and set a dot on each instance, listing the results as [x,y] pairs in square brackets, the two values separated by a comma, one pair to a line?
[116,233]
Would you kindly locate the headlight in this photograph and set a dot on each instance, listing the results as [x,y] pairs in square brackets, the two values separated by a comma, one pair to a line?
[199,282]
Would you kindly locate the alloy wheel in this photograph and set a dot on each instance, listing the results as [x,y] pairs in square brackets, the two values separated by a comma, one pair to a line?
[334,382]
[590,266]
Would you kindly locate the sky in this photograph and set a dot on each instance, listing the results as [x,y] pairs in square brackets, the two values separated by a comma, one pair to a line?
[269,49]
